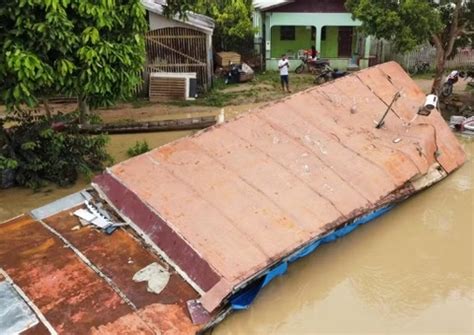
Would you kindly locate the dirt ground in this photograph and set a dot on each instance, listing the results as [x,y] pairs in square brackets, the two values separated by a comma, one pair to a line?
[233,99]
[246,96]
[425,85]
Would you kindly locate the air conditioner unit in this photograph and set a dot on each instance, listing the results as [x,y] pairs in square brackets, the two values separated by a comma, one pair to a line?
[172,86]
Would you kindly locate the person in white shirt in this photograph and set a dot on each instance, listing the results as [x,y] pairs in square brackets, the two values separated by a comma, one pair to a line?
[283,66]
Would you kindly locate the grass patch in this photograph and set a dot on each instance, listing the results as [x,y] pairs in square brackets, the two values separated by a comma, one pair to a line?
[264,87]
[218,84]
[181,103]
[216,99]
[267,77]
[140,102]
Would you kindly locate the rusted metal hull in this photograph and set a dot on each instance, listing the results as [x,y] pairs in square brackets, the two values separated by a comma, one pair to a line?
[72,296]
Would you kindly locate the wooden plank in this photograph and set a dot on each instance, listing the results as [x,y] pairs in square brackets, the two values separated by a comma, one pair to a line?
[162,88]
[226,58]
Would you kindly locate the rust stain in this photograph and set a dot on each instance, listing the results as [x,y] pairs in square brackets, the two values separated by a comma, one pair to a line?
[152,319]
[39,249]
[38,329]
[56,281]
[129,324]
[167,151]
[168,319]
[120,256]
[74,298]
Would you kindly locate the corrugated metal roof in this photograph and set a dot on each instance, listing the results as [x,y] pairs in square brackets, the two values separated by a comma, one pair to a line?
[268,4]
[227,203]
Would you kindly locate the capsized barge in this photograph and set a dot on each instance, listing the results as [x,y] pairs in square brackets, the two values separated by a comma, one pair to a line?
[204,223]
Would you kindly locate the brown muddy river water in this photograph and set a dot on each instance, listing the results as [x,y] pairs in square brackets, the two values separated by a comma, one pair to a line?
[409,272]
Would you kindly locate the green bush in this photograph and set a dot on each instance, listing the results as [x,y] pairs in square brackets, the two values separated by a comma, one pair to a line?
[40,150]
[138,148]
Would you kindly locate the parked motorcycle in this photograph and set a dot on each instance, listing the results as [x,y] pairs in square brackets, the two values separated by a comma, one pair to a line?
[419,67]
[453,78]
[328,74]
[310,65]
[447,88]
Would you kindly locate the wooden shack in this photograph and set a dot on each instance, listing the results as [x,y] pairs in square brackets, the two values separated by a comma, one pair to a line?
[178,45]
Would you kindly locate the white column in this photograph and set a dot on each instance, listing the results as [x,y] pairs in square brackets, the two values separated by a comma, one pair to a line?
[210,63]
[368,39]
[318,38]
[268,35]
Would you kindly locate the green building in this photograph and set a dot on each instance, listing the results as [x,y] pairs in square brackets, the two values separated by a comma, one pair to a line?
[292,26]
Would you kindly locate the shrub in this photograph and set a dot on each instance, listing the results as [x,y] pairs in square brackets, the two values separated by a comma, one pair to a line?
[40,150]
[138,148]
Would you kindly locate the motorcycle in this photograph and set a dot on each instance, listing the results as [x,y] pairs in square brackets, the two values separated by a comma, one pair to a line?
[419,67]
[310,65]
[447,88]
[328,74]
[453,78]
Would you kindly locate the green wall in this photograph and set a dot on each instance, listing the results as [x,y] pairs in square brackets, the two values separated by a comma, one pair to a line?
[302,41]
[329,47]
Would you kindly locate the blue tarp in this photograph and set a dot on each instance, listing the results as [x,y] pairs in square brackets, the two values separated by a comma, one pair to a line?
[244,298]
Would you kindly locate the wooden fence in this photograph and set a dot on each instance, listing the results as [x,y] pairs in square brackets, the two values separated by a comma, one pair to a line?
[176,49]
[463,58]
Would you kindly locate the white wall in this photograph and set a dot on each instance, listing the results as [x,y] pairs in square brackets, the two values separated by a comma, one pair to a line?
[159,21]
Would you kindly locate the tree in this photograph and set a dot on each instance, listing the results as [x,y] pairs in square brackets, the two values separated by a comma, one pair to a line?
[89,49]
[233,20]
[178,7]
[92,50]
[446,24]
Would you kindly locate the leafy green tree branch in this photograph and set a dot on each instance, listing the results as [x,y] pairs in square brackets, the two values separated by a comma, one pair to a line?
[446,24]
